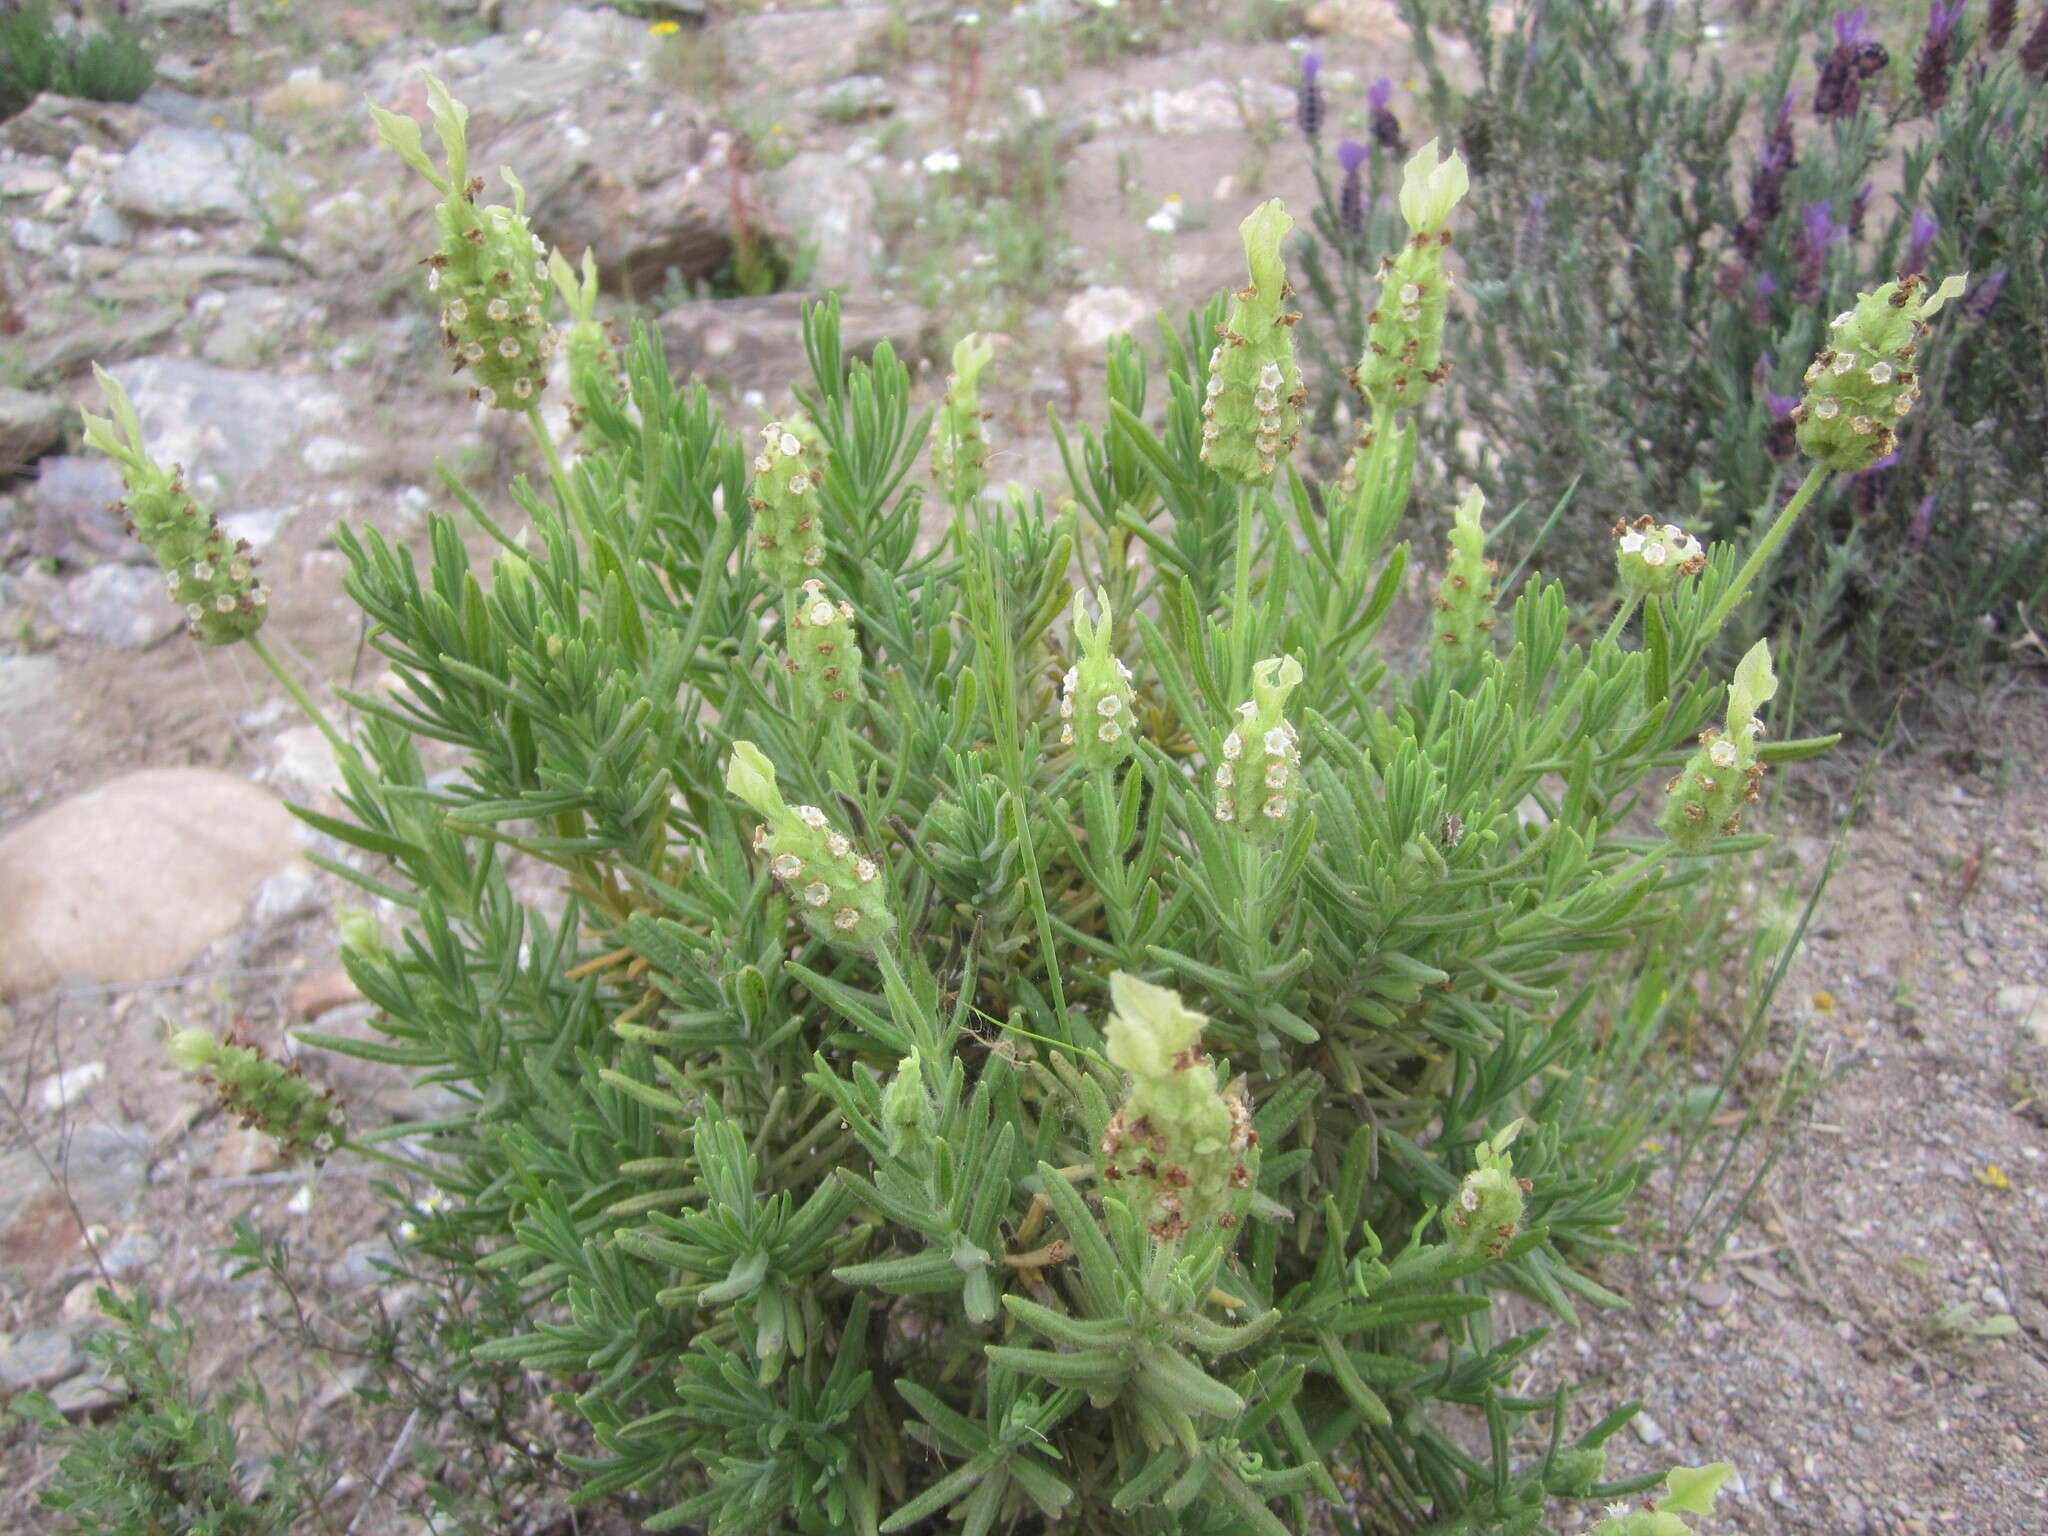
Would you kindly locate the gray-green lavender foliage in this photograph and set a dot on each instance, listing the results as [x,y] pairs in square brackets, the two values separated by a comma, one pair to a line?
[1654,252]
[894,1116]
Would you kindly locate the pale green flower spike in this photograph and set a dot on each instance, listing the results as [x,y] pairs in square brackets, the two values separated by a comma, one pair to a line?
[907,1115]
[787,544]
[1251,413]
[1097,705]
[488,267]
[959,450]
[1258,783]
[212,581]
[823,652]
[1706,798]
[1465,597]
[1405,336]
[268,1095]
[1650,559]
[840,893]
[1863,382]
[593,366]
[1181,1149]
[1688,1491]
[1487,1210]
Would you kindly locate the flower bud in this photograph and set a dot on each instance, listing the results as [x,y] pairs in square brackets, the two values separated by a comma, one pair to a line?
[1097,704]
[1705,800]
[1863,382]
[1251,413]
[212,581]
[488,268]
[267,1095]
[1258,783]
[1465,597]
[1181,1149]
[786,544]
[1650,559]
[959,450]
[823,650]
[593,366]
[1405,330]
[907,1117]
[840,893]
[1487,1209]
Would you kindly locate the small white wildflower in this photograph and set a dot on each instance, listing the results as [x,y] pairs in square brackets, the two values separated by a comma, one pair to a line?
[1880,373]
[790,446]
[817,893]
[1109,705]
[845,919]
[1826,410]
[1842,319]
[941,162]
[1225,776]
[821,612]
[786,866]
[812,817]
[865,870]
[1844,361]
[1233,747]
[1275,807]
[1277,743]
[1655,554]
[1722,754]
[1162,222]
[838,846]
[1110,731]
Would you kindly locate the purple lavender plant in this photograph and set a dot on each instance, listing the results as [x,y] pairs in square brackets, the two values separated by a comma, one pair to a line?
[1856,57]
[1866,487]
[1979,305]
[1308,97]
[1859,208]
[1919,241]
[1999,16]
[1767,181]
[1761,293]
[1920,531]
[1351,155]
[1931,69]
[1529,237]
[1781,438]
[2034,51]
[1386,128]
[1818,234]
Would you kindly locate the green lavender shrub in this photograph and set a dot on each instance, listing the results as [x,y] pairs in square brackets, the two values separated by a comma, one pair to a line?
[100,63]
[1653,255]
[1093,1074]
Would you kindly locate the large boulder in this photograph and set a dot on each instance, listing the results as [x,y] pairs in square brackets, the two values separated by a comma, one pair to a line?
[192,176]
[758,344]
[129,881]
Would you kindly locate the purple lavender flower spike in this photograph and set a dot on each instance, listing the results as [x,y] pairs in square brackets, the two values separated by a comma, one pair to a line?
[1766,285]
[1766,365]
[1308,98]
[1931,70]
[1818,232]
[1919,242]
[1941,19]
[1351,196]
[1386,128]
[1920,532]
[1780,406]
[1850,26]
[1529,238]
[1859,208]
[1380,94]
[1980,303]
[1821,229]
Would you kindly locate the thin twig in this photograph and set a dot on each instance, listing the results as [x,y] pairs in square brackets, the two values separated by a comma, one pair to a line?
[390,1460]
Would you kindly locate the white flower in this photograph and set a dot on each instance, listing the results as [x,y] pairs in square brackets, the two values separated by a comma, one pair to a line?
[1722,754]
[941,162]
[1163,222]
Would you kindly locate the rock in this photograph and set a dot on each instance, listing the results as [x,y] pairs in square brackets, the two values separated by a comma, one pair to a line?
[184,848]
[83,1396]
[103,1165]
[326,455]
[248,327]
[796,49]
[759,344]
[60,1090]
[1099,313]
[222,424]
[57,125]
[32,722]
[192,176]
[102,226]
[2023,1004]
[1711,1294]
[33,237]
[29,180]
[1648,1430]
[1211,106]
[72,520]
[856,99]
[242,1152]
[323,994]
[81,1306]
[123,606]
[363,1263]
[302,762]
[258,527]
[1375,21]
[92,338]
[649,191]
[31,424]
[287,894]
[127,1254]
[829,206]
[38,1358]
[303,94]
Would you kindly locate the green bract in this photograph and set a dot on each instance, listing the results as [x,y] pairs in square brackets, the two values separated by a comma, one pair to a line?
[489,270]
[1864,382]
[1098,707]
[1181,1149]
[212,581]
[1405,332]
[1688,1491]
[936,1209]
[1465,598]
[1258,780]
[1705,800]
[823,650]
[267,1095]
[959,447]
[1650,559]
[1251,415]
[839,892]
